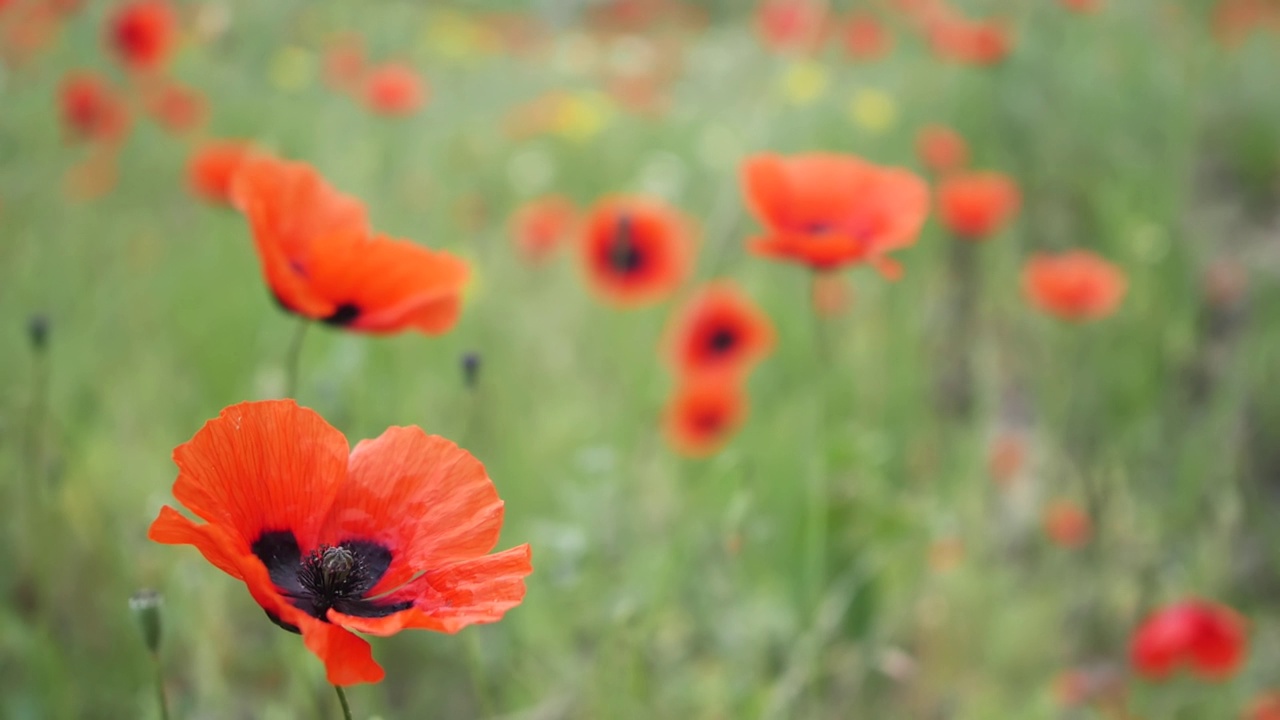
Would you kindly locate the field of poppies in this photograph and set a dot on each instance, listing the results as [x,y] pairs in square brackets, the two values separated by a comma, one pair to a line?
[652,359]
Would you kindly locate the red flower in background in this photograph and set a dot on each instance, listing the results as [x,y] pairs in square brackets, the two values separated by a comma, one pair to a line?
[142,34]
[1082,6]
[704,415]
[865,37]
[344,63]
[1075,285]
[1206,637]
[1264,707]
[635,251]
[175,107]
[1067,524]
[791,24]
[977,205]
[941,149]
[391,535]
[1235,20]
[719,331]
[91,109]
[321,260]
[541,226]
[213,165]
[827,210]
[973,42]
[394,89]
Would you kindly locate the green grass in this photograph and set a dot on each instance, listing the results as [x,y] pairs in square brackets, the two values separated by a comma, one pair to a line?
[772,580]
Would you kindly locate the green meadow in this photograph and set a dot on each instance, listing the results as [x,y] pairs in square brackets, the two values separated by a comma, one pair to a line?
[848,554]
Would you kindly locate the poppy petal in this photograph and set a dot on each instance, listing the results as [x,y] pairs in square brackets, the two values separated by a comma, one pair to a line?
[172,528]
[348,659]
[447,599]
[423,498]
[765,180]
[262,466]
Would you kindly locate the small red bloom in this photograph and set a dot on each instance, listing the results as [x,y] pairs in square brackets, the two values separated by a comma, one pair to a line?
[972,42]
[391,535]
[321,260]
[1067,525]
[143,33]
[704,415]
[344,63]
[1264,707]
[1206,637]
[539,227]
[1082,6]
[212,167]
[394,89]
[941,149]
[719,331]
[91,110]
[975,206]
[1075,285]
[635,250]
[790,24]
[827,210]
[177,108]
[865,37]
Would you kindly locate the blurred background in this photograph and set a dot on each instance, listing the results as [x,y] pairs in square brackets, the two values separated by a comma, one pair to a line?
[881,538]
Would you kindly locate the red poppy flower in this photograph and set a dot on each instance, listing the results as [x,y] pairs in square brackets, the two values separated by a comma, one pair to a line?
[212,167]
[1207,637]
[1075,285]
[635,251]
[541,226]
[975,206]
[394,89]
[719,331]
[91,110]
[391,535]
[344,62]
[1066,524]
[790,24]
[176,108]
[865,37]
[143,33]
[828,210]
[704,415]
[941,149]
[1235,20]
[1083,6]
[1264,707]
[972,42]
[321,261]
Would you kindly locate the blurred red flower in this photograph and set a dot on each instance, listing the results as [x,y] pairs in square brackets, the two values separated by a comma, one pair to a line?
[1075,285]
[541,226]
[827,210]
[175,107]
[1207,637]
[1083,6]
[344,62]
[720,330]
[1235,20]
[1067,524]
[1006,457]
[1265,706]
[143,33]
[91,109]
[321,260]
[865,37]
[704,414]
[977,205]
[791,24]
[635,250]
[394,534]
[394,89]
[941,149]
[974,42]
[212,167]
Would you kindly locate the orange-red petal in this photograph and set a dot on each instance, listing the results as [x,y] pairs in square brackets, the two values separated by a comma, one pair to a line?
[348,659]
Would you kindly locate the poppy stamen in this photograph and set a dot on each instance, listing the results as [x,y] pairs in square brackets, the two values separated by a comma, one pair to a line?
[345,314]
[723,340]
[623,254]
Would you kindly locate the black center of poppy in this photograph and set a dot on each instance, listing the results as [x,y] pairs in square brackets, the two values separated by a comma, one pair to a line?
[722,340]
[344,315]
[330,577]
[623,254]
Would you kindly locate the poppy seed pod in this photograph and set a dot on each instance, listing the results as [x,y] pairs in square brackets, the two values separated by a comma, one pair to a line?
[470,368]
[145,605]
[38,332]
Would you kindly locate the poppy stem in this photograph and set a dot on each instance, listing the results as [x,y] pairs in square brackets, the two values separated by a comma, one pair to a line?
[293,360]
[342,698]
[160,699]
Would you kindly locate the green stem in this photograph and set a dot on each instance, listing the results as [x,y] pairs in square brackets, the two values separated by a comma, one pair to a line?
[160,700]
[342,698]
[293,360]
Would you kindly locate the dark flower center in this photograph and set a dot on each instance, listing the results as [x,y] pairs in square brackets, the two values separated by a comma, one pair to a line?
[336,577]
[622,253]
[345,314]
[722,340]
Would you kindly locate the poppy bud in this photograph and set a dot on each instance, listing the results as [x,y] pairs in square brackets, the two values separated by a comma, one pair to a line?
[145,604]
[470,368]
[38,331]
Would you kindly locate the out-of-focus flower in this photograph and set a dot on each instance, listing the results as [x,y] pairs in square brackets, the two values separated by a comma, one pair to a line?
[865,37]
[977,205]
[394,89]
[635,251]
[1082,6]
[91,109]
[1206,637]
[143,34]
[804,82]
[1076,285]
[175,107]
[1067,524]
[212,167]
[292,68]
[541,226]
[1006,457]
[1265,706]
[704,414]
[718,331]
[941,149]
[344,63]
[873,110]
[787,25]
[1235,20]
[984,42]
[827,210]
